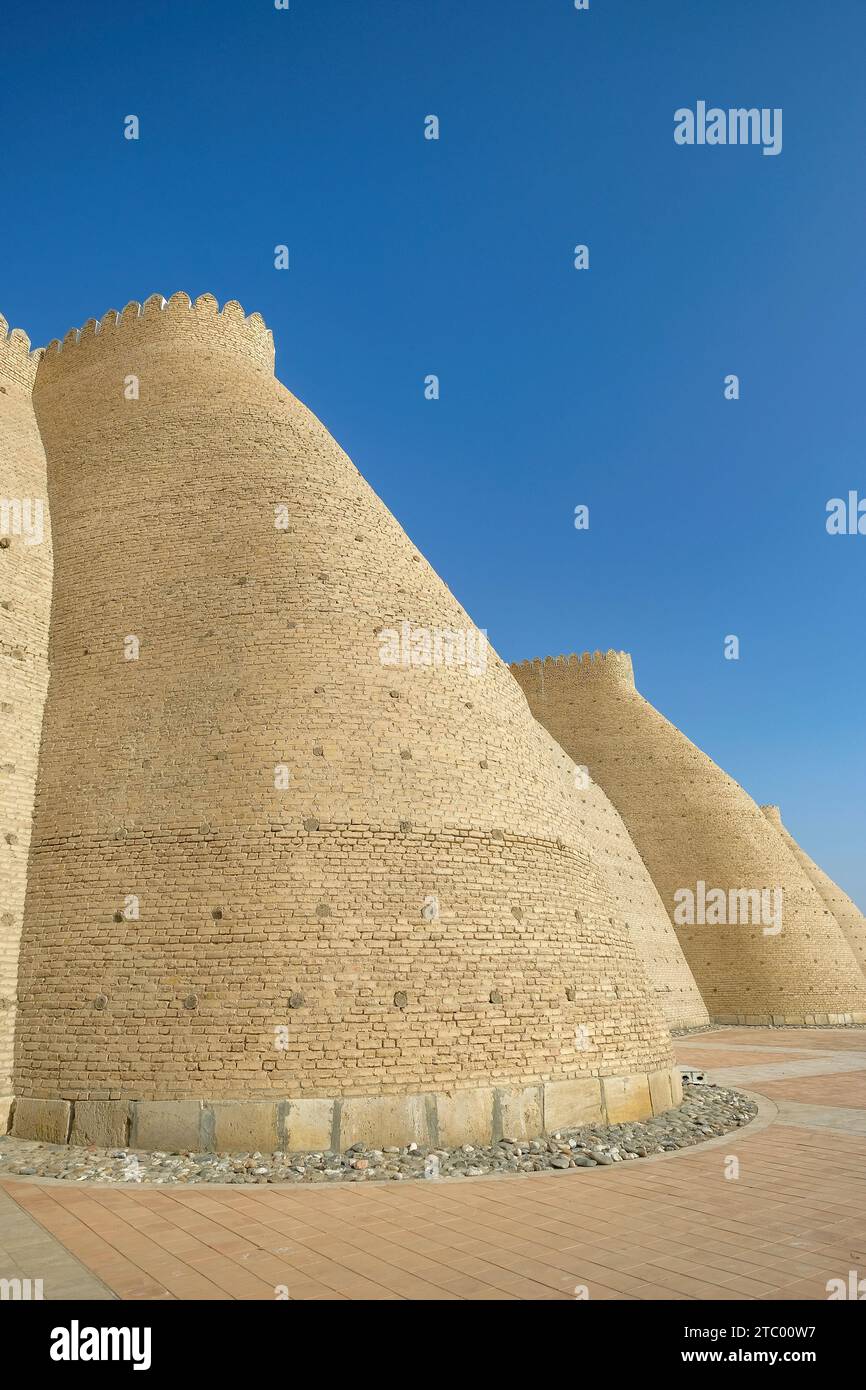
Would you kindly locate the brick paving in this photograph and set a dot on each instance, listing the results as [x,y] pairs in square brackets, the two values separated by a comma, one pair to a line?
[670,1227]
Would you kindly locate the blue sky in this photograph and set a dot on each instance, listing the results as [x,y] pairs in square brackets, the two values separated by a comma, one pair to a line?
[454,257]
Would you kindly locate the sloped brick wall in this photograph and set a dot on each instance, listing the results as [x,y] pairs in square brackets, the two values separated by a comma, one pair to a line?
[25,604]
[691,822]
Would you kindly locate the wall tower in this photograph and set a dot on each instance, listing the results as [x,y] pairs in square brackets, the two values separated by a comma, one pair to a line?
[638,904]
[25,606]
[291,883]
[693,824]
[835,899]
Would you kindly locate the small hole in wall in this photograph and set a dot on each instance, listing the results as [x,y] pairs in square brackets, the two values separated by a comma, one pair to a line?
[216,913]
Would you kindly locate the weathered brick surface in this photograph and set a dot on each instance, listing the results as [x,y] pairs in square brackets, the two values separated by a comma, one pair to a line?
[638,904]
[25,603]
[282,947]
[835,899]
[691,822]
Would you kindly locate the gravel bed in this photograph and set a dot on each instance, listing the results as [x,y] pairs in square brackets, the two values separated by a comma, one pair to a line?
[706,1111]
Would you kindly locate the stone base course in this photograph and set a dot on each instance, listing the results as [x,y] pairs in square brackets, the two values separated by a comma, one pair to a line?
[791,1020]
[480,1116]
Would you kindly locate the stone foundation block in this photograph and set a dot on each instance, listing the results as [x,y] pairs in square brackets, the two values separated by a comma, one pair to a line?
[101,1122]
[626,1098]
[384,1120]
[660,1091]
[170,1125]
[569,1104]
[306,1125]
[242,1125]
[48,1120]
[518,1113]
[465,1117]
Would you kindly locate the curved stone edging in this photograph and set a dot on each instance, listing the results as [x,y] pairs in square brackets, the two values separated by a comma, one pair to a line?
[768,1111]
[480,1116]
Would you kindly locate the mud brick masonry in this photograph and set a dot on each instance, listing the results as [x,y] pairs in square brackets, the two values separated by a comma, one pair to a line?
[366,906]
[281,894]
[690,821]
[837,902]
[25,607]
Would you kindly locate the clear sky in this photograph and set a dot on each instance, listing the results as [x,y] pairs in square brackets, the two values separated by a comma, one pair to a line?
[409,256]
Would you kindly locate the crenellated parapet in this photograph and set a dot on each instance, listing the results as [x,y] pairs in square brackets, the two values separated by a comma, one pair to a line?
[18,361]
[177,324]
[543,673]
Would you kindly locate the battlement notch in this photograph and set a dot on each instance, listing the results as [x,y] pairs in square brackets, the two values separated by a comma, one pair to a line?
[18,361]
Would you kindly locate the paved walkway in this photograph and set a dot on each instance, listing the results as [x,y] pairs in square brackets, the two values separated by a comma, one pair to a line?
[670,1227]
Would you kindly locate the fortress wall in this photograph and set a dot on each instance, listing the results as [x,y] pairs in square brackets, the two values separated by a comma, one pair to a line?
[285,950]
[692,822]
[25,602]
[835,899]
[638,904]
